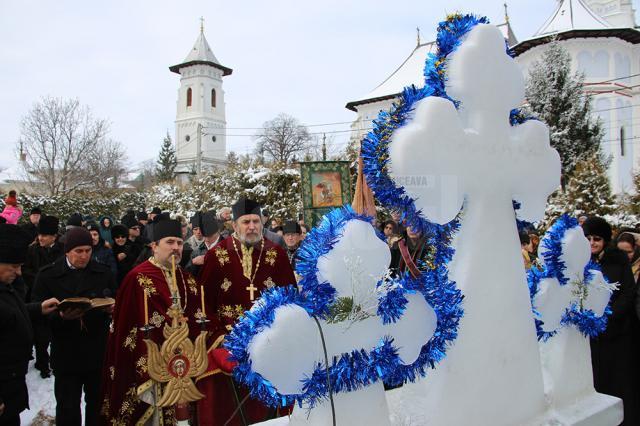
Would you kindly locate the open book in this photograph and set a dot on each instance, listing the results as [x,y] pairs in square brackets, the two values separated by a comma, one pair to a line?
[84,303]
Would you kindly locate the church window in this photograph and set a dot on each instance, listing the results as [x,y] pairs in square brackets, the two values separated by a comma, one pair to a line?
[622,141]
[213,98]
[189,96]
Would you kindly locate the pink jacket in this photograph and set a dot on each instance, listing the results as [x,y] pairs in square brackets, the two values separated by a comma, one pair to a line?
[12,214]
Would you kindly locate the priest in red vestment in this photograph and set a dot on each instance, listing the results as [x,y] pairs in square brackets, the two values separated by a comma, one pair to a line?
[128,393]
[234,274]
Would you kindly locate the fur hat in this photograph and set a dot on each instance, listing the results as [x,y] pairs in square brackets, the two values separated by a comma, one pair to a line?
[292,227]
[130,221]
[35,210]
[48,225]
[597,226]
[119,231]
[142,215]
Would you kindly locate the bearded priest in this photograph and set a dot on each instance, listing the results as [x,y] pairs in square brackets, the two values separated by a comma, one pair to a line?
[143,299]
[235,273]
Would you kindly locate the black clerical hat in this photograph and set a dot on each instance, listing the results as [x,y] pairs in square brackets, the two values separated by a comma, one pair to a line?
[209,223]
[13,244]
[291,227]
[245,206]
[196,220]
[166,228]
[48,225]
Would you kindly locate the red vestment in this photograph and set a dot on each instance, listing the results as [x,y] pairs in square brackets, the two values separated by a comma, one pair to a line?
[228,294]
[125,378]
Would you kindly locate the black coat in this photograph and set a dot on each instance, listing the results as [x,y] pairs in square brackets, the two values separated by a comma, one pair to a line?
[613,352]
[37,258]
[16,340]
[77,346]
[126,264]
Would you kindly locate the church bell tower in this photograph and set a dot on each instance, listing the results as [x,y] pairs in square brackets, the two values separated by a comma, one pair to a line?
[200,136]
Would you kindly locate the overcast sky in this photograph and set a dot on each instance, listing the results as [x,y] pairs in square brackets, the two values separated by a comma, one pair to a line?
[307,59]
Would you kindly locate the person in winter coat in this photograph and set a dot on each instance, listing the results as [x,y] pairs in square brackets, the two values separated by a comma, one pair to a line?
[627,243]
[101,253]
[79,337]
[12,212]
[41,253]
[106,223]
[613,355]
[16,333]
[123,251]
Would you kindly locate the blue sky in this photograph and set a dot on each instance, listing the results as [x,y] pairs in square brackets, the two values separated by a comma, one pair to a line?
[307,59]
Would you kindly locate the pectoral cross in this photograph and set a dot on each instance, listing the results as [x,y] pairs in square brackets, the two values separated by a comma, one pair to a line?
[251,289]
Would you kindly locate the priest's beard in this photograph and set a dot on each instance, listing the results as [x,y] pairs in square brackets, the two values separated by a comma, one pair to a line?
[250,240]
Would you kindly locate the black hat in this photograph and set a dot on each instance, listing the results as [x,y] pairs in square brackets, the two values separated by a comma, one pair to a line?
[156,210]
[75,220]
[209,223]
[76,237]
[48,225]
[119,231]
[142,216]
[597,226]
[266,213]
[129,221]
[35,210]
[92,226]
[196,220]
[13,244]
[245,206]
[291,227]
[524,237]
[166,228]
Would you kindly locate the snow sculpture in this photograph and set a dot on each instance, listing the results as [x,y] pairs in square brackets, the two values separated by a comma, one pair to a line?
[348,316]
[473,155]
[569,298]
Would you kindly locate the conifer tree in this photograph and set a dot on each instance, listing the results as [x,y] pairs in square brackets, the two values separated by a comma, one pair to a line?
[166,165]
[588,190]
[555,95]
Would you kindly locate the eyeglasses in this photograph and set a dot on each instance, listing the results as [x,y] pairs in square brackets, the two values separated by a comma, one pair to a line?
[594,238]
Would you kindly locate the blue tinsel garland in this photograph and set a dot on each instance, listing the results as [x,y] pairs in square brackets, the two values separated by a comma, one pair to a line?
[359,368]
[587,322]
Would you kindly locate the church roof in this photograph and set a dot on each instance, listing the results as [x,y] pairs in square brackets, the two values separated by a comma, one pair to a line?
[572,15]
[411,72]
[574,19]
[199,55]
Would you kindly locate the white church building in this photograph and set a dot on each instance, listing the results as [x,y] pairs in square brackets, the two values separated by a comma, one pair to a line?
[604,44]
[201,123]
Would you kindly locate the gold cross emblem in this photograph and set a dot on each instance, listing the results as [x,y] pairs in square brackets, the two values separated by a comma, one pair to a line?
[251,289]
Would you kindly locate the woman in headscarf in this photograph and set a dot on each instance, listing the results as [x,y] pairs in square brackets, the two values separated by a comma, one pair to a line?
[613,351]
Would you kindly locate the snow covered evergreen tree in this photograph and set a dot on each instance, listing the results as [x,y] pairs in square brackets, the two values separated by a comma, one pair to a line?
[588,190]
[555,95]
[165,170]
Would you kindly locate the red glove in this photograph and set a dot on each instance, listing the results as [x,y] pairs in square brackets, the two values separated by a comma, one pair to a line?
[219,358]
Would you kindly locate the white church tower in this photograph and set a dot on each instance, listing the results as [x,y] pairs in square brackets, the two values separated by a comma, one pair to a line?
[200,112]
[618,13]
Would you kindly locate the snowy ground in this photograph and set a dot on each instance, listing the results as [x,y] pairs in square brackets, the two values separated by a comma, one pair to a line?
[41,400]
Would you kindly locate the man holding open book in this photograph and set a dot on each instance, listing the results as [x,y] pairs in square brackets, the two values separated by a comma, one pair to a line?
[79,333]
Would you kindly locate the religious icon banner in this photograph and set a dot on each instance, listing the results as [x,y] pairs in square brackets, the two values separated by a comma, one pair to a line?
[325,185]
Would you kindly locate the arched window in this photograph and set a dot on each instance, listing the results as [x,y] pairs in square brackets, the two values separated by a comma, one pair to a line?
[189,97]
[622,141]
[213,98]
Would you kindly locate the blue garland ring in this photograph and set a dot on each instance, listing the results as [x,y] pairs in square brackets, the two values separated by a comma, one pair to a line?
[585,320]
[359,368]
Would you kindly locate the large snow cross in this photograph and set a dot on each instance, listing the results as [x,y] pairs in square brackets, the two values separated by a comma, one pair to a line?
[445,157]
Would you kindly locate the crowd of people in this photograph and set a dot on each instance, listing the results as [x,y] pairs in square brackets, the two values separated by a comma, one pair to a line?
[45,261]
[214,262]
